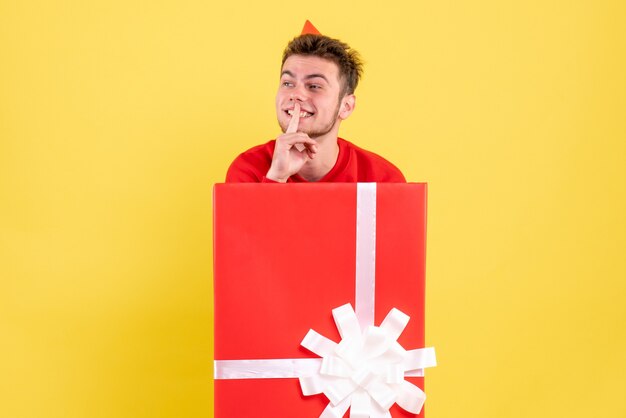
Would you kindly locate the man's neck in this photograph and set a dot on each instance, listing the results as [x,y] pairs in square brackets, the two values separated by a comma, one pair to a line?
[324,161]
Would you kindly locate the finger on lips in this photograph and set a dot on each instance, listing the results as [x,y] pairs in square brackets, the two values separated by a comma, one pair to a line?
[295,120]
[300,141]
[293,124]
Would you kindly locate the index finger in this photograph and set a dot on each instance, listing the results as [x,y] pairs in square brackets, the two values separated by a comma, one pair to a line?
[295,120]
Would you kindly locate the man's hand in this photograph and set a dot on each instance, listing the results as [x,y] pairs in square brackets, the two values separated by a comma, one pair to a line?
[293,149]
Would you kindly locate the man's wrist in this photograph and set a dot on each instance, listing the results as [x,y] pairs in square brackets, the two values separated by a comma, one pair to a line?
[278,179]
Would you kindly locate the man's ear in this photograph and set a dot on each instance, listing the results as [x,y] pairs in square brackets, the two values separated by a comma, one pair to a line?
[347,106]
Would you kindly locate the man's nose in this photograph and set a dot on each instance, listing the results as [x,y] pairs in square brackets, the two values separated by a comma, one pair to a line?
[298,95]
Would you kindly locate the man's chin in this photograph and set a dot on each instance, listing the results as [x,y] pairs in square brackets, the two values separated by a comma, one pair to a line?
[304,131]
[311,133]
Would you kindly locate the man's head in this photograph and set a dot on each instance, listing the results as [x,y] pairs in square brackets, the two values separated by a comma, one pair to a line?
[320,74]
[347,59]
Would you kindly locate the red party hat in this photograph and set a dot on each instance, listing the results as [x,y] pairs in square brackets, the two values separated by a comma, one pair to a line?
[309,29]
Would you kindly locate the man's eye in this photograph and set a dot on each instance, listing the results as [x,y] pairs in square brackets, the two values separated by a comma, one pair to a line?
[315,86]
[287,84]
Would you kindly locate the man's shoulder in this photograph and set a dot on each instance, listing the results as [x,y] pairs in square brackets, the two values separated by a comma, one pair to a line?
[371,166]
[260,150]
[364,154]
[252,164]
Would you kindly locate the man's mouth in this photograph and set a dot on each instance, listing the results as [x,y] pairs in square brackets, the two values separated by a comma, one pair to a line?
[303,114]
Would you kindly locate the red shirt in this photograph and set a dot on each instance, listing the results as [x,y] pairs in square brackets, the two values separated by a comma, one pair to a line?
[353,164]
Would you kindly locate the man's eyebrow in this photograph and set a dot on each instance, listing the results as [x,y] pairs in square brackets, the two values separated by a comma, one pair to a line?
[290,74]
[316,76]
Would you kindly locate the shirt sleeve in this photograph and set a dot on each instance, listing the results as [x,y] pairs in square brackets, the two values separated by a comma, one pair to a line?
[266,180]
[396,176]
[242,171]
[252,165]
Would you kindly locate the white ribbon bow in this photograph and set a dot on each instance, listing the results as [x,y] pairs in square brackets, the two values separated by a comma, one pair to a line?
[365,371]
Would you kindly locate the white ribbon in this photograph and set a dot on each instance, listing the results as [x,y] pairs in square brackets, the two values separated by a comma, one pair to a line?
[365,286]
[365,371]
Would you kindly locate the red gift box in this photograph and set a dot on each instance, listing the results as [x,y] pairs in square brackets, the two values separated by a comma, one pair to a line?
[285,257]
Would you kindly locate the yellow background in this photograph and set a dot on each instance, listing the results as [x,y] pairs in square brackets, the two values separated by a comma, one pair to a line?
[116,117]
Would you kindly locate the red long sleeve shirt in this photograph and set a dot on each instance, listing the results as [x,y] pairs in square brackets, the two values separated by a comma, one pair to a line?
[353,164]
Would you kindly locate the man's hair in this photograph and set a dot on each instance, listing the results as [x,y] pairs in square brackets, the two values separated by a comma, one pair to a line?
[347,59]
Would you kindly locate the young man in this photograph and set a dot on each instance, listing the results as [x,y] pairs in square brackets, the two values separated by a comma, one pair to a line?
[316,93]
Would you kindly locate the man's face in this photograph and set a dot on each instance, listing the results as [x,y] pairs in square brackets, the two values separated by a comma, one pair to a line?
[314,83]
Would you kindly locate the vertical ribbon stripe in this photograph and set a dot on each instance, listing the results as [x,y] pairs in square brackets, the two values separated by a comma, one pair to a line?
[365,253]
